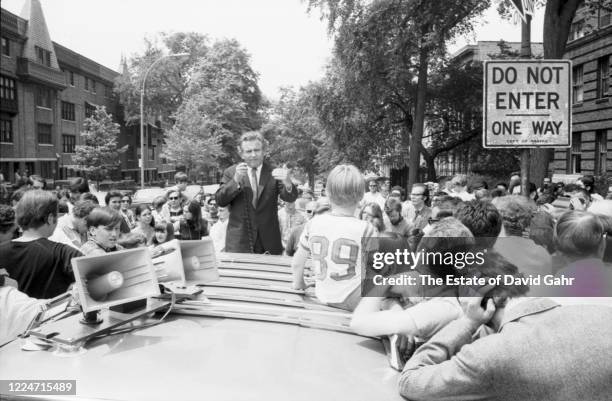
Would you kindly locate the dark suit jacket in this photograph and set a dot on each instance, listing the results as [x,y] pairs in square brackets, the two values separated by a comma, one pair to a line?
[263,221]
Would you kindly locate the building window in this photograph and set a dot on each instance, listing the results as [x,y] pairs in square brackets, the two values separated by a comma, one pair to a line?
[93,86]
[43,56]
[604,17]
[71,78]
[6,131]
[601,152]
[86,84]
[577,30]
[603,76]
[578,84]
[68,143]
[575,157]
[89,110]
[108,91]
[7,88]
[6,49]
[44,97]
[68,111]
[44,134]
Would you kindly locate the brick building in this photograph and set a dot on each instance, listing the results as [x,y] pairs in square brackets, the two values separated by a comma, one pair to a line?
[46,92]
[591,55]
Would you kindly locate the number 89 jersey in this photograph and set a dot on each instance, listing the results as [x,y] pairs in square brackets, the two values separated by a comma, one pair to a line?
[334,243]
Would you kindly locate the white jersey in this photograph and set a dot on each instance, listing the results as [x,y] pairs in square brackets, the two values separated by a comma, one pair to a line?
[334,242]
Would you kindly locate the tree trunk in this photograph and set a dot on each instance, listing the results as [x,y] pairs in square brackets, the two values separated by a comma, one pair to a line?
[419,119]
[311,178]
[558,17]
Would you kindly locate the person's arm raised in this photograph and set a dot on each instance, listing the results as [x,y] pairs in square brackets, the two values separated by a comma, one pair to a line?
[229,188]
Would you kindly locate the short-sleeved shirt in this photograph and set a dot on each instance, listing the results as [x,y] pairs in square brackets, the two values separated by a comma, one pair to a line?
[432,315]
[335,244]
[41,267]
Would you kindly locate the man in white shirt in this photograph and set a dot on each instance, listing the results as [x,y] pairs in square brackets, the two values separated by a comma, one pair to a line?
[373,195]
[71,228]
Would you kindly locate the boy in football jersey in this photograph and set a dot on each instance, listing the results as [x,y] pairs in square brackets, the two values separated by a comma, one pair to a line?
[334,241]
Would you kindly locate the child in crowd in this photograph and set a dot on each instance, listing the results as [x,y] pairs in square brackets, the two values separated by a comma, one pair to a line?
[164,232]
[334,241]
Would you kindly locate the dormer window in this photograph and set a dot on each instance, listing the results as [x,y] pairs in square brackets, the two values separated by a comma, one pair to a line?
[43,56]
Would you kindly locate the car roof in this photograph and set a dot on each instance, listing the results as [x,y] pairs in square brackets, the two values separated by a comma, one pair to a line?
[219,350]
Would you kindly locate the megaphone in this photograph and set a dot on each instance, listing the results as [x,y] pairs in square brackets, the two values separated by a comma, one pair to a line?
[199,261]
[168,263]
[114,278]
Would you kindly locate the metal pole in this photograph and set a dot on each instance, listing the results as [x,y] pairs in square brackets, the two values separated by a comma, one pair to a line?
[525,53]
[142,92]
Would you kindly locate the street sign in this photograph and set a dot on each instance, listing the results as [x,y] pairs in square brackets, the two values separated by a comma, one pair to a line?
[527,104]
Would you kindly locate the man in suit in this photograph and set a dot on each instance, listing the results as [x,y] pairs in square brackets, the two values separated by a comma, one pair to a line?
[251,190]
[539,351]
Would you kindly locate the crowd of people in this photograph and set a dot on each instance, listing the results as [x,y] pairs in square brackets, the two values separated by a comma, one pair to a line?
[471,349]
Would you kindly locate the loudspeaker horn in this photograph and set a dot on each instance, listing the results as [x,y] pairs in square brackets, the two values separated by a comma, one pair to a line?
[169,264]
[199,261]
[115,278]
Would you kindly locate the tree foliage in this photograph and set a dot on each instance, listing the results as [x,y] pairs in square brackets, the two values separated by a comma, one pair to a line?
[295,133]
[167,80]
[384,50]
[100,153]
[204,100]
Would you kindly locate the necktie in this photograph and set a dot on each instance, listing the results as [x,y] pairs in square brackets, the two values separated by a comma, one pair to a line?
[254,186]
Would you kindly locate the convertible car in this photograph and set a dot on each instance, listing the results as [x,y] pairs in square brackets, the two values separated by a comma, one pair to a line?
[248,336]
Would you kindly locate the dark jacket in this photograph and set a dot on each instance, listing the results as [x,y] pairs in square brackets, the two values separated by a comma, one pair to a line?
[263,222]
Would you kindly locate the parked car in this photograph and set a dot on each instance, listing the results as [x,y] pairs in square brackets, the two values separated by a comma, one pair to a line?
[144,197]
[252,338]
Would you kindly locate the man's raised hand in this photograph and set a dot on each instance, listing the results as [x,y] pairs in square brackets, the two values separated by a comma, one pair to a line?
[283,174]
[242,170]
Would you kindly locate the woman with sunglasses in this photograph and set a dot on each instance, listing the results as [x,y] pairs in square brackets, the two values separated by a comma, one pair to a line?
[126,211]
[173,210]
[193,225]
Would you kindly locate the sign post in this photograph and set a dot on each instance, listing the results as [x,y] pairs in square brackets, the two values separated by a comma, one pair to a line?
[527,104]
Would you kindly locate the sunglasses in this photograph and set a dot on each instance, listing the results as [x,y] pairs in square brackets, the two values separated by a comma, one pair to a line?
[432,220]
[309,211]
[173,198]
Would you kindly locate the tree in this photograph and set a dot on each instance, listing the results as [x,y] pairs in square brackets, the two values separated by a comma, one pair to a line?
[194,141]
[99,154]
[212,95]
[387,46]
[294,131]
[223,88]
[454,119]
[167,81]
[558,17]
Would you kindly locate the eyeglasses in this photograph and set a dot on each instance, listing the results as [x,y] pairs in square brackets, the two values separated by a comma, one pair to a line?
[309,211]
[173,198]
[417,194]
[432,220]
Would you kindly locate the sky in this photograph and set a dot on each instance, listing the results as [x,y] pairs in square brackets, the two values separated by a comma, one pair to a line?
[288,46]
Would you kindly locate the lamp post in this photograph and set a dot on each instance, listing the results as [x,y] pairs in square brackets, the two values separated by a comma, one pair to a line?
[142,146]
